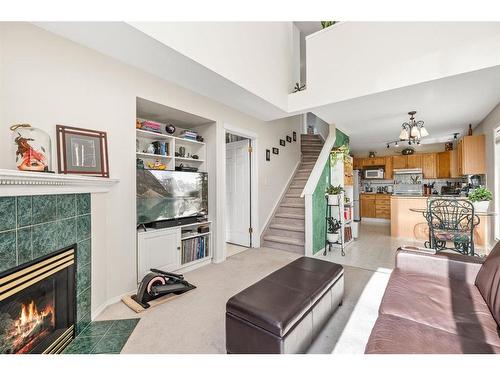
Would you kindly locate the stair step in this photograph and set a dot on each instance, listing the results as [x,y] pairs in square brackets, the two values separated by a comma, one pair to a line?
[285,240]
[291,228]
[311,147]
[293,205]
[296,178]
[286,215]
[290,195]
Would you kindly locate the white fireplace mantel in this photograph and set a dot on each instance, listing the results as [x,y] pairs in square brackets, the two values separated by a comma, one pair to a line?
[13,183]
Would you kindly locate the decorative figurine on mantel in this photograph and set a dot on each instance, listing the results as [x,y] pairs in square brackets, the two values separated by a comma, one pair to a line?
[32,148]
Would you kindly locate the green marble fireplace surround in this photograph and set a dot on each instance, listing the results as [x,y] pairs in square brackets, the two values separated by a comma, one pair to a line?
[34,226]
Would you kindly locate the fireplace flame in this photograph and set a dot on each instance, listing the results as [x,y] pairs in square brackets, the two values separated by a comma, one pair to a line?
[31,318]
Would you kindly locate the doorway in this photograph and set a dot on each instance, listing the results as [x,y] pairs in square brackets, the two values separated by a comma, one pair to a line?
[238,193]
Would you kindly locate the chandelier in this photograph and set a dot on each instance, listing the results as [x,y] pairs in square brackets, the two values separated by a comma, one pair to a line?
[413,131]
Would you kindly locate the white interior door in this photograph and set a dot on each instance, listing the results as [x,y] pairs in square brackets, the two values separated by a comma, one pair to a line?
[238,193]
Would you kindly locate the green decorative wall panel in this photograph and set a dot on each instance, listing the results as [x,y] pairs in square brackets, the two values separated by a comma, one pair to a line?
[318,198]
[319,209]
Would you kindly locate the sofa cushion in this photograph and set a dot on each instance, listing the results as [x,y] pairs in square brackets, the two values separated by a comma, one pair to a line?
[396,335]
[277,302]
[448,304]
[488,282]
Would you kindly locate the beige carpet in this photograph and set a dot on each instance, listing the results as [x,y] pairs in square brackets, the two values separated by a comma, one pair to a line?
[194,323]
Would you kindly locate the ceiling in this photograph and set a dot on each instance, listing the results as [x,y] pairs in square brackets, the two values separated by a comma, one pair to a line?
[308,27]
[446,106]
[167,115]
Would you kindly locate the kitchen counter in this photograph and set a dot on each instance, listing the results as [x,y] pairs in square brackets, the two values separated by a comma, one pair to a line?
[412,225]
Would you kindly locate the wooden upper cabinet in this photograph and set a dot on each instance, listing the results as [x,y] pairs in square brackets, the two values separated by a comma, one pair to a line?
[414,161]
[471,153]
[444,164]
[429,165]
[399,162]
[373,162]
[388,168]
[357,163]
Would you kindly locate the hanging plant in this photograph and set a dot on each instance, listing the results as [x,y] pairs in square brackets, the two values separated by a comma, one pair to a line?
[325,24]
[338,153]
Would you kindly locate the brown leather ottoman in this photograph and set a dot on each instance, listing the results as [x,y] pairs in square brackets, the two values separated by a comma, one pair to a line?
[283,312]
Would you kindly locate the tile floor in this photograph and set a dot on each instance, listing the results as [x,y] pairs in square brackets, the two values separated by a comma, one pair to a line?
[103,337]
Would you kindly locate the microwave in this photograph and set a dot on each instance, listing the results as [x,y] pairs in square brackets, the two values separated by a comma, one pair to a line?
[372,174]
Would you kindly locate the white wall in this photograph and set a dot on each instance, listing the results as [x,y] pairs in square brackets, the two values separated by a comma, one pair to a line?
[320,127]
[487,127]
[47,80]
[258,56]
[352,59]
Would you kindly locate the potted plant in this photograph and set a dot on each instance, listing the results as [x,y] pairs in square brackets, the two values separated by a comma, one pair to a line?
[480,198]
[338,153]
[333,193]
[332,234]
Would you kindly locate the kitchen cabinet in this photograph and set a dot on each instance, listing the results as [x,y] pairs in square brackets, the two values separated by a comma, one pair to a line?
[376,206]
[414,161]
[429,165]
[373,162]
[444,164]
[383,206]
[367,205]
[399,162]
[471,155]
[357,163]
[388,168]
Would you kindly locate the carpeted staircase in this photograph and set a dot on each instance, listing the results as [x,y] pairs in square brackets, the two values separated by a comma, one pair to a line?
[286,229]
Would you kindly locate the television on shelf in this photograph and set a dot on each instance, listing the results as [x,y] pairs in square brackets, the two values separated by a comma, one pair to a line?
[167,198]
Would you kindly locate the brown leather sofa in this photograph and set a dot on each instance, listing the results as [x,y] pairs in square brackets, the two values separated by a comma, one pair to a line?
[439,303]
[283,312]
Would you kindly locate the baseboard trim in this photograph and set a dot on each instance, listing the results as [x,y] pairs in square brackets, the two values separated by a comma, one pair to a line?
[374,220]
[94,314]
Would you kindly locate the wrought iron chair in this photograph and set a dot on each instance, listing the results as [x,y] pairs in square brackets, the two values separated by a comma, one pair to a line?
[451,220]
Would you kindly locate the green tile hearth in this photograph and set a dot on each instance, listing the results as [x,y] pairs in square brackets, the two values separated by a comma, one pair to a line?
[8,258]
[66,206]
[7,213]
[44,208]
[83,204]
[103,337]
[24,211]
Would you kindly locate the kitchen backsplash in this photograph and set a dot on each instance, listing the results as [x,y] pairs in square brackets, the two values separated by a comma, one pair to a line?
[438,183]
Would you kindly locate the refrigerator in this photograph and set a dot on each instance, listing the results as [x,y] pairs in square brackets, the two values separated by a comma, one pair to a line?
[356,191]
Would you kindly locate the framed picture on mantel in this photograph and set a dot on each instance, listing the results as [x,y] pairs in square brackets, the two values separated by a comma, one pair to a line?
[82,151]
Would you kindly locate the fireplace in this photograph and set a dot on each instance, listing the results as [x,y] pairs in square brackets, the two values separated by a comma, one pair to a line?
[37,304]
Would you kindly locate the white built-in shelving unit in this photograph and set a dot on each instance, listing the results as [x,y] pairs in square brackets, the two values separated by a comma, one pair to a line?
[191,147]
[179,248]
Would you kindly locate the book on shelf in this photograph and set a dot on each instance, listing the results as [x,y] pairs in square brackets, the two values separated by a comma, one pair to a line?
[194,249]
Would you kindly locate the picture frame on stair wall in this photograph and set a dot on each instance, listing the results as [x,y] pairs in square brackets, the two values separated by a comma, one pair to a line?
[294,136]
[289,139]
[276,150]
[282,142]
[268,155]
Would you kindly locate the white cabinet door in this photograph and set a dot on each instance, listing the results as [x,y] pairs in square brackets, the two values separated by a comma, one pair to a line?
[158,249]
